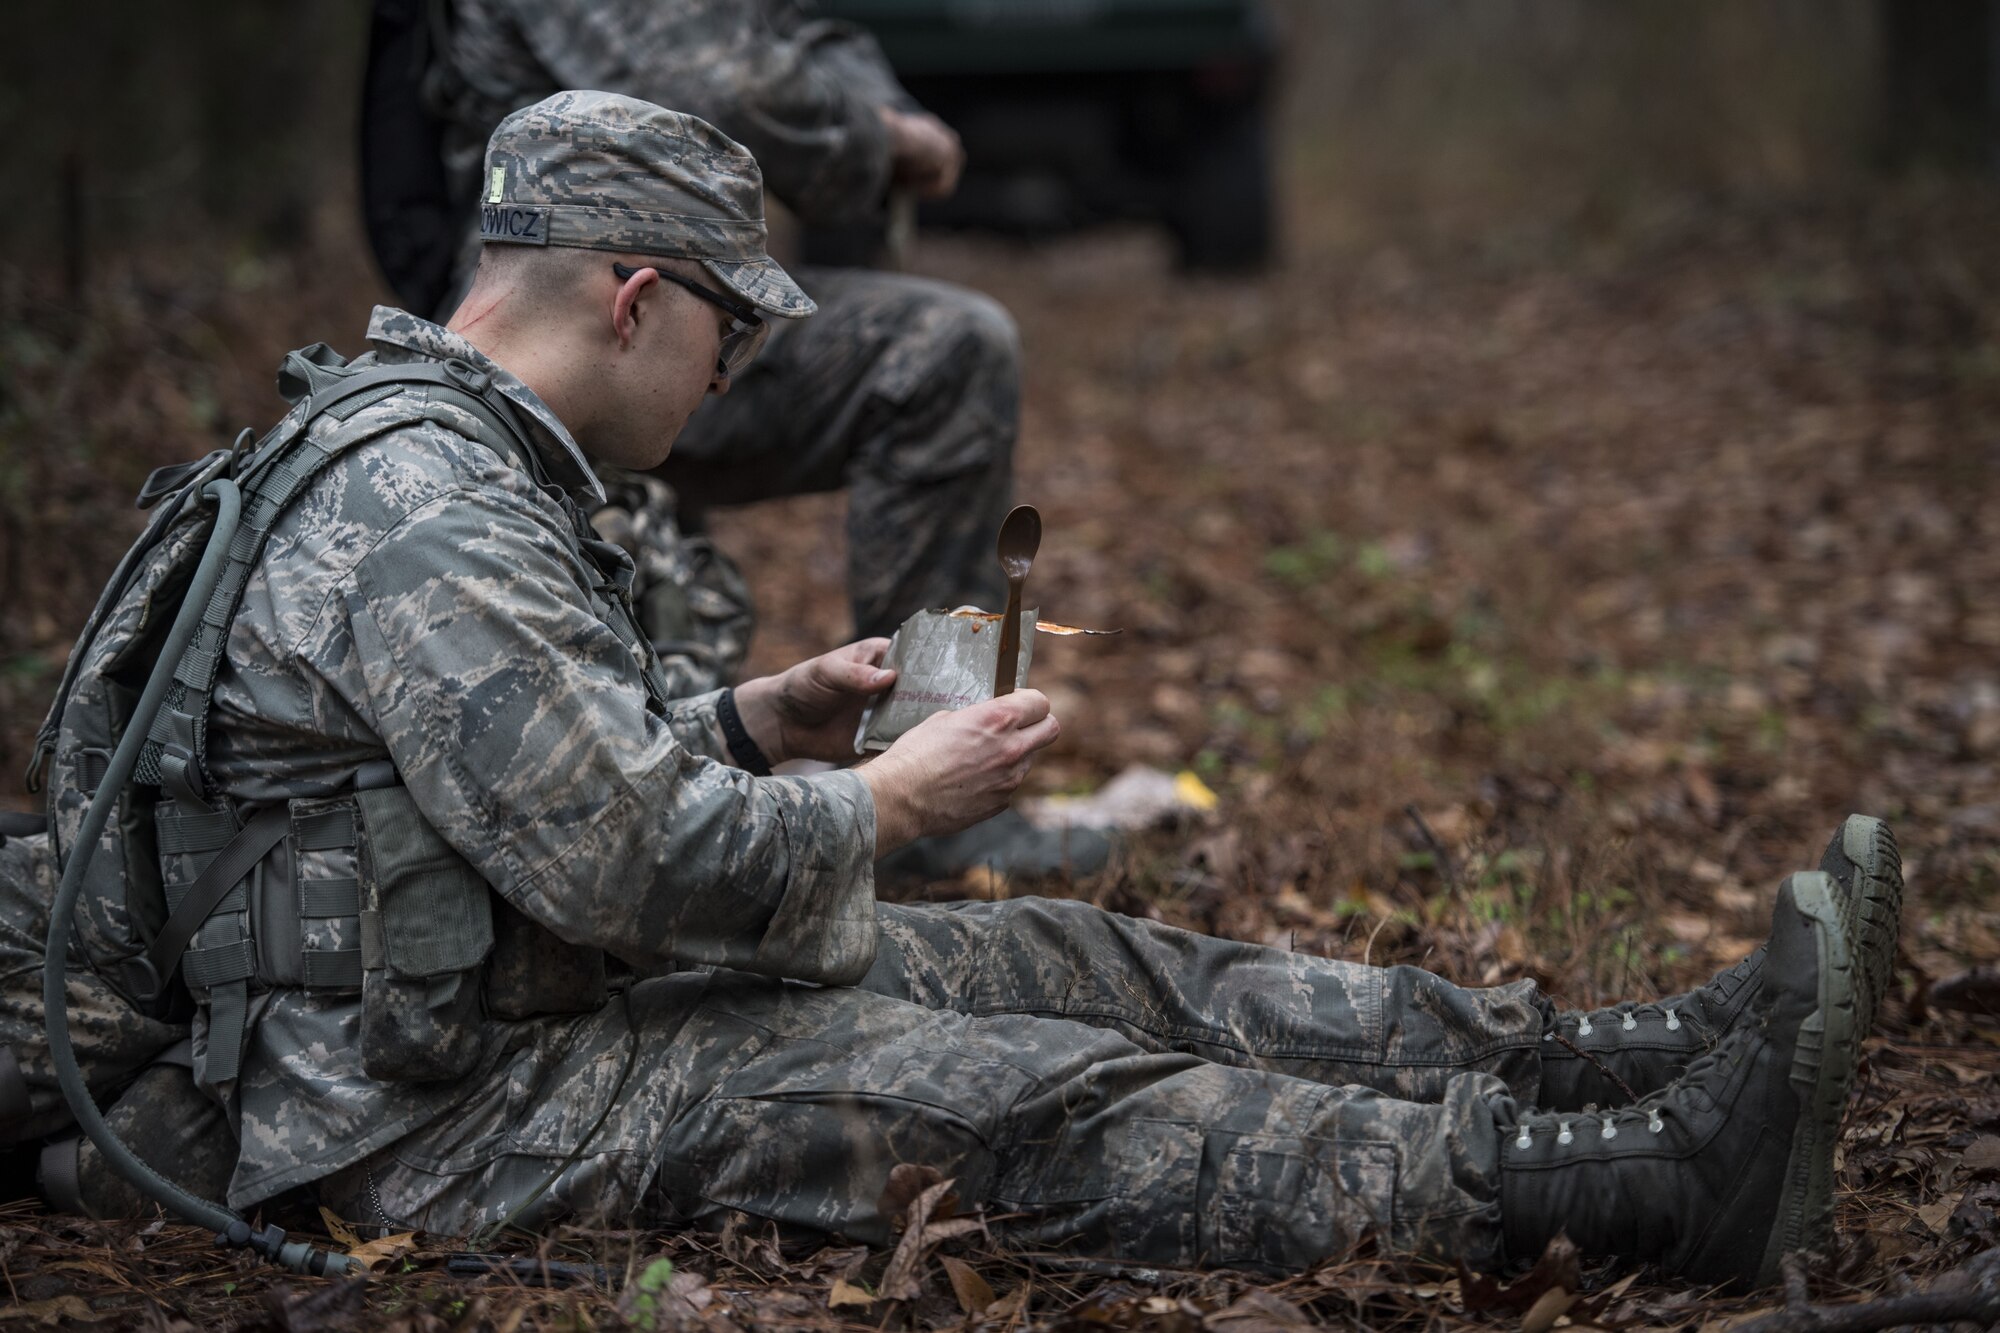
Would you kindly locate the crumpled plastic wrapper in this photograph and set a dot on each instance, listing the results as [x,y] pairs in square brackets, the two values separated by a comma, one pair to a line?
[1140,797]
[944,661]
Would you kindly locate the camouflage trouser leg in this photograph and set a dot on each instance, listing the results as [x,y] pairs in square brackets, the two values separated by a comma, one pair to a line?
[1091,1142]
[1399,1030]
[113,1039]
[171,1125]
[904,391]
[696,1097]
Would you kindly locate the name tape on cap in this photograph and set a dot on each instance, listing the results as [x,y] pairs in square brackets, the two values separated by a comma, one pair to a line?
[515,223]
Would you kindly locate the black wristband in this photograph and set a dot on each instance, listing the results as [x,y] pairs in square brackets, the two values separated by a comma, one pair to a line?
[748,756]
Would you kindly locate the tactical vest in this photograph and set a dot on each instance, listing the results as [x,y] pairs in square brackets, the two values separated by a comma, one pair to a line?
[351,894]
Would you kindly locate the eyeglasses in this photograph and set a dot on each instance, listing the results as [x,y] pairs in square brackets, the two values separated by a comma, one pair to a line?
[742,343]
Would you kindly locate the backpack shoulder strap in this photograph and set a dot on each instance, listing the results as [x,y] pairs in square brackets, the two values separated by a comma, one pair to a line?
[277,473]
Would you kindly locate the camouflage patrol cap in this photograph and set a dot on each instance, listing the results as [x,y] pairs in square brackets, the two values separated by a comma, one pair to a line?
[600,171]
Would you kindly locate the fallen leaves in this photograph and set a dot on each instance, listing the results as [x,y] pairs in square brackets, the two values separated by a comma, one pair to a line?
[921,1197]
[343,1234]
[847,1294]
[1973,991]
[1557,1271]
[54,1310]
[1613,611]
[974,1293]
[373,1254]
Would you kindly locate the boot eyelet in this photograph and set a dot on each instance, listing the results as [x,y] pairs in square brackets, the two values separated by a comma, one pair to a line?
[1610,1129]
[1653,1122]
[1630,1024]
[1673,1021]
[1583,1027]
[1524,1141]
[1562,1132]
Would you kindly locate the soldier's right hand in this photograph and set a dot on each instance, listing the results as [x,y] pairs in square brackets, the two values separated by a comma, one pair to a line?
[954,769]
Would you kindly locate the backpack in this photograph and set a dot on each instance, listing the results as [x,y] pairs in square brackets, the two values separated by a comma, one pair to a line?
[122,1015]
[129,935]
[123,905]
[156,878]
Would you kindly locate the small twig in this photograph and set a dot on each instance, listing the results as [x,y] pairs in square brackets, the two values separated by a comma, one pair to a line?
[1602,1068]
[1965,1295]
[1446,870]
[1796,1291]
[1369,947]
[1152,1277]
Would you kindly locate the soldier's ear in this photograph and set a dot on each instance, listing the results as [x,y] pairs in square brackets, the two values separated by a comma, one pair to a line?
[625,305]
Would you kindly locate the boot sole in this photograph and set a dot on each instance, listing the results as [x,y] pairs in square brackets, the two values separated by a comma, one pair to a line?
[1863,858]
[1823,1063]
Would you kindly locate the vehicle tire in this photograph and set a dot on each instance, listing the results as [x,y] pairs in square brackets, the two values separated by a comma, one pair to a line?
[1222,208]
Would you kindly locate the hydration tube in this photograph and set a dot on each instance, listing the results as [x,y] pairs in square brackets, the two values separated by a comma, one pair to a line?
[231,1231]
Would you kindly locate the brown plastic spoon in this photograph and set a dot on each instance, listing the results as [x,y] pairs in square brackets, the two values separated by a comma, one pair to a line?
[1020,538]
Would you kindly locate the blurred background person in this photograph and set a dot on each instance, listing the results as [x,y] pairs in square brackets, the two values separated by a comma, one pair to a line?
[903,391]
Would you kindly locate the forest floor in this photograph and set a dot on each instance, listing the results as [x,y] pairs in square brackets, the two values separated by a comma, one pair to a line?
[1531,608]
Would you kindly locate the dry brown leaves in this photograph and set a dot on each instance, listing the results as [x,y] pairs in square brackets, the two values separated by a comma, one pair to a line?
[1530,612]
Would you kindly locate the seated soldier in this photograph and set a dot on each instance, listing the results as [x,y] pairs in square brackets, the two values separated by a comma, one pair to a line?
[903,391]
[767,1037]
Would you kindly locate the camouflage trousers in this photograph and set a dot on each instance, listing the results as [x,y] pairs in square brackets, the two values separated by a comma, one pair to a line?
[162,1116]
[906,393]
[1114,1085]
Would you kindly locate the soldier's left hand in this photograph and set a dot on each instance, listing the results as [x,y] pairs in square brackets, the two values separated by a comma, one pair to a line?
[924,153]
[813,710]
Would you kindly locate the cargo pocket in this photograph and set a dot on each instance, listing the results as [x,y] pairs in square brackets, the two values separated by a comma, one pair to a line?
[426,927]
[1283,1202]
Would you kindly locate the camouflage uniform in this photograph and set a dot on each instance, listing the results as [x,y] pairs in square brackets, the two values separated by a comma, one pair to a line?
[1150,1093]
[1127,1088]
[903,390]
[119,1040]
[161,1116]
[691,600]
[775,1041]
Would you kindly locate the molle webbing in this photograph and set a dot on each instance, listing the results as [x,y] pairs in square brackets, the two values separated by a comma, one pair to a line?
[320,900]
[226,887]
[219,886]
[204,469]
[208,861]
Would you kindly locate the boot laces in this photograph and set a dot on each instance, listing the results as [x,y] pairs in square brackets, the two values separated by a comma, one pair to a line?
[1687,1010]
[1676,1013]
[1651,1110]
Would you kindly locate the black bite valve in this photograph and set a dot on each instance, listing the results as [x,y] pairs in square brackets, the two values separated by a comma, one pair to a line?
[271,1245]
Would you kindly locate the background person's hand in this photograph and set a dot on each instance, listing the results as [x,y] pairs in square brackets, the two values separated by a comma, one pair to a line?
[813,710]
[924,152]
[954,769]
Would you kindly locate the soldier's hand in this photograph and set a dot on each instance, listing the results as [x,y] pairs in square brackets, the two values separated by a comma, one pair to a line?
[924,152]
[954,769]
[813,710]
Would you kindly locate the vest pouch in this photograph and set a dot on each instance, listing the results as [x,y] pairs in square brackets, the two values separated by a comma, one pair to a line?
[426,928]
